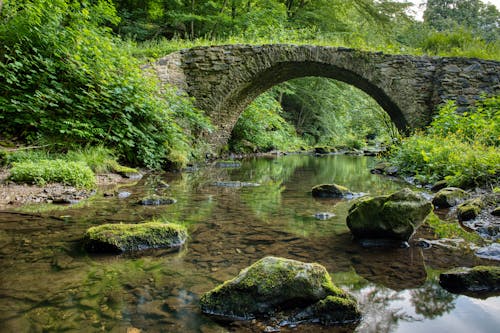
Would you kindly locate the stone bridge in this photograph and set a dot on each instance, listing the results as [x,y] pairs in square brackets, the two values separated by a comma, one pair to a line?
[224,80]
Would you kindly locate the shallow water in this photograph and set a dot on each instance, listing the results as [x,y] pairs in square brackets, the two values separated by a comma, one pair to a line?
[48,283]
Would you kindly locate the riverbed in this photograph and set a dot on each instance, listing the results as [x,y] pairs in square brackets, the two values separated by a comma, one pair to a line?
[49,284]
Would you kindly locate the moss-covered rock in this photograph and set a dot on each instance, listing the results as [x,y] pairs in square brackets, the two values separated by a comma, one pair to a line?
[439,185]
[449,197]
[277,284]
[385,168]
[330,191]
[117,238]
[156,200]
[330,311]
[477,279]
[470,209]
[394,216]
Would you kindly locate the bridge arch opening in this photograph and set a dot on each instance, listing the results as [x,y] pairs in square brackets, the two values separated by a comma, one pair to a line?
[243,95]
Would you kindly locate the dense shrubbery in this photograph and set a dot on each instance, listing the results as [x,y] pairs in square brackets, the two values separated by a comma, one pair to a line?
[65,79]
[261,128]
[462,148]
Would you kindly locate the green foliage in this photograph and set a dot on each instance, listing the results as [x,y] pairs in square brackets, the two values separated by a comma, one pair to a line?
[443,229]
[3,157]
[42,172]
[65,78]
[461,148]
[261,128]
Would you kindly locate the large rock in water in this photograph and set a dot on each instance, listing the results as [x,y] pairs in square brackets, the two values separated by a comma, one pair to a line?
[449,197]
[477,279]
[388,217]
[116,238]
[330,191]
[277,284]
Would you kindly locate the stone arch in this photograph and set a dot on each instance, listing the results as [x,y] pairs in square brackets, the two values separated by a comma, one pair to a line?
[243,95]
[225,79]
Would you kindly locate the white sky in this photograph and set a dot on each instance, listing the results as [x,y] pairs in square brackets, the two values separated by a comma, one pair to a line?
[419,11]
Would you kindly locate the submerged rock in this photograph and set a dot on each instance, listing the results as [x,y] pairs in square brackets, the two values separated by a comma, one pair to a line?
[470,209]
[118,238]
[276,284]
[477,279]
[389,217]
[156,201]
[449,197]
[331,191]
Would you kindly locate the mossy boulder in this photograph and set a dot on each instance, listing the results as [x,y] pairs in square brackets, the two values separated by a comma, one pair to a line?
[394,216]
[330,191]
[276,284]
[449,197]
[476,279]
[156,200]
[117,238]
[470,209]
[385,168]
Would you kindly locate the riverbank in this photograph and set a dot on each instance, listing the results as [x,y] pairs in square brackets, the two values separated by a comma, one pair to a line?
[14,194]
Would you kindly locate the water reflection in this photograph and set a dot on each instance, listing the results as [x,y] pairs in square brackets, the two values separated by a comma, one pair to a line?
[48,283]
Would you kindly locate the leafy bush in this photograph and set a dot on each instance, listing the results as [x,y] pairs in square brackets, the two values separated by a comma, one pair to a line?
[261,128]
[42,172]
[460,148]
[65,78]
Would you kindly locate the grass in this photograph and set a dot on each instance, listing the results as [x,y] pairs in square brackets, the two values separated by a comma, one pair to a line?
[75,168]
[41,172]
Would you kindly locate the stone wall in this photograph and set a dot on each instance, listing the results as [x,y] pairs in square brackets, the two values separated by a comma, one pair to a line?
[225,79]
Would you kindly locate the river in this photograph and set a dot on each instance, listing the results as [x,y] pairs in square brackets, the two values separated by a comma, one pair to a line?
[49,284]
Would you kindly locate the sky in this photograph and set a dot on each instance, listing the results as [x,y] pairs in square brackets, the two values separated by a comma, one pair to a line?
[419,10]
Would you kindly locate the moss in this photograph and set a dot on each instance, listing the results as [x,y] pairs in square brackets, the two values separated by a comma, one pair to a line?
[134,237]
[120,169]
[470,209]
[269,285]
[449,197]
[330,191]
[156,200]
[41,172]
[395,216]
[3,157]
[476,279]
[444,229]
[334,310]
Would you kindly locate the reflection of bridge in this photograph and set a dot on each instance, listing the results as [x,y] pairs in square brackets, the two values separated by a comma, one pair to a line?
[225,79]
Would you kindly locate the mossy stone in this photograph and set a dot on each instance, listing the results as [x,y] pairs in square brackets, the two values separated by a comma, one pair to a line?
[330,191]
[496,211]
[156,200]
[269,285]
[394,216]
[449,197]
[118,238]
[470,209]
[332,310]
[477,279]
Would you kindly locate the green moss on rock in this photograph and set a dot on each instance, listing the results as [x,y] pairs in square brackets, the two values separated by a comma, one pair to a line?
[269,285]
[477,279]
[330,191]
[449,197]
[470,209]
[118,238]
[394,216]
[156,200]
